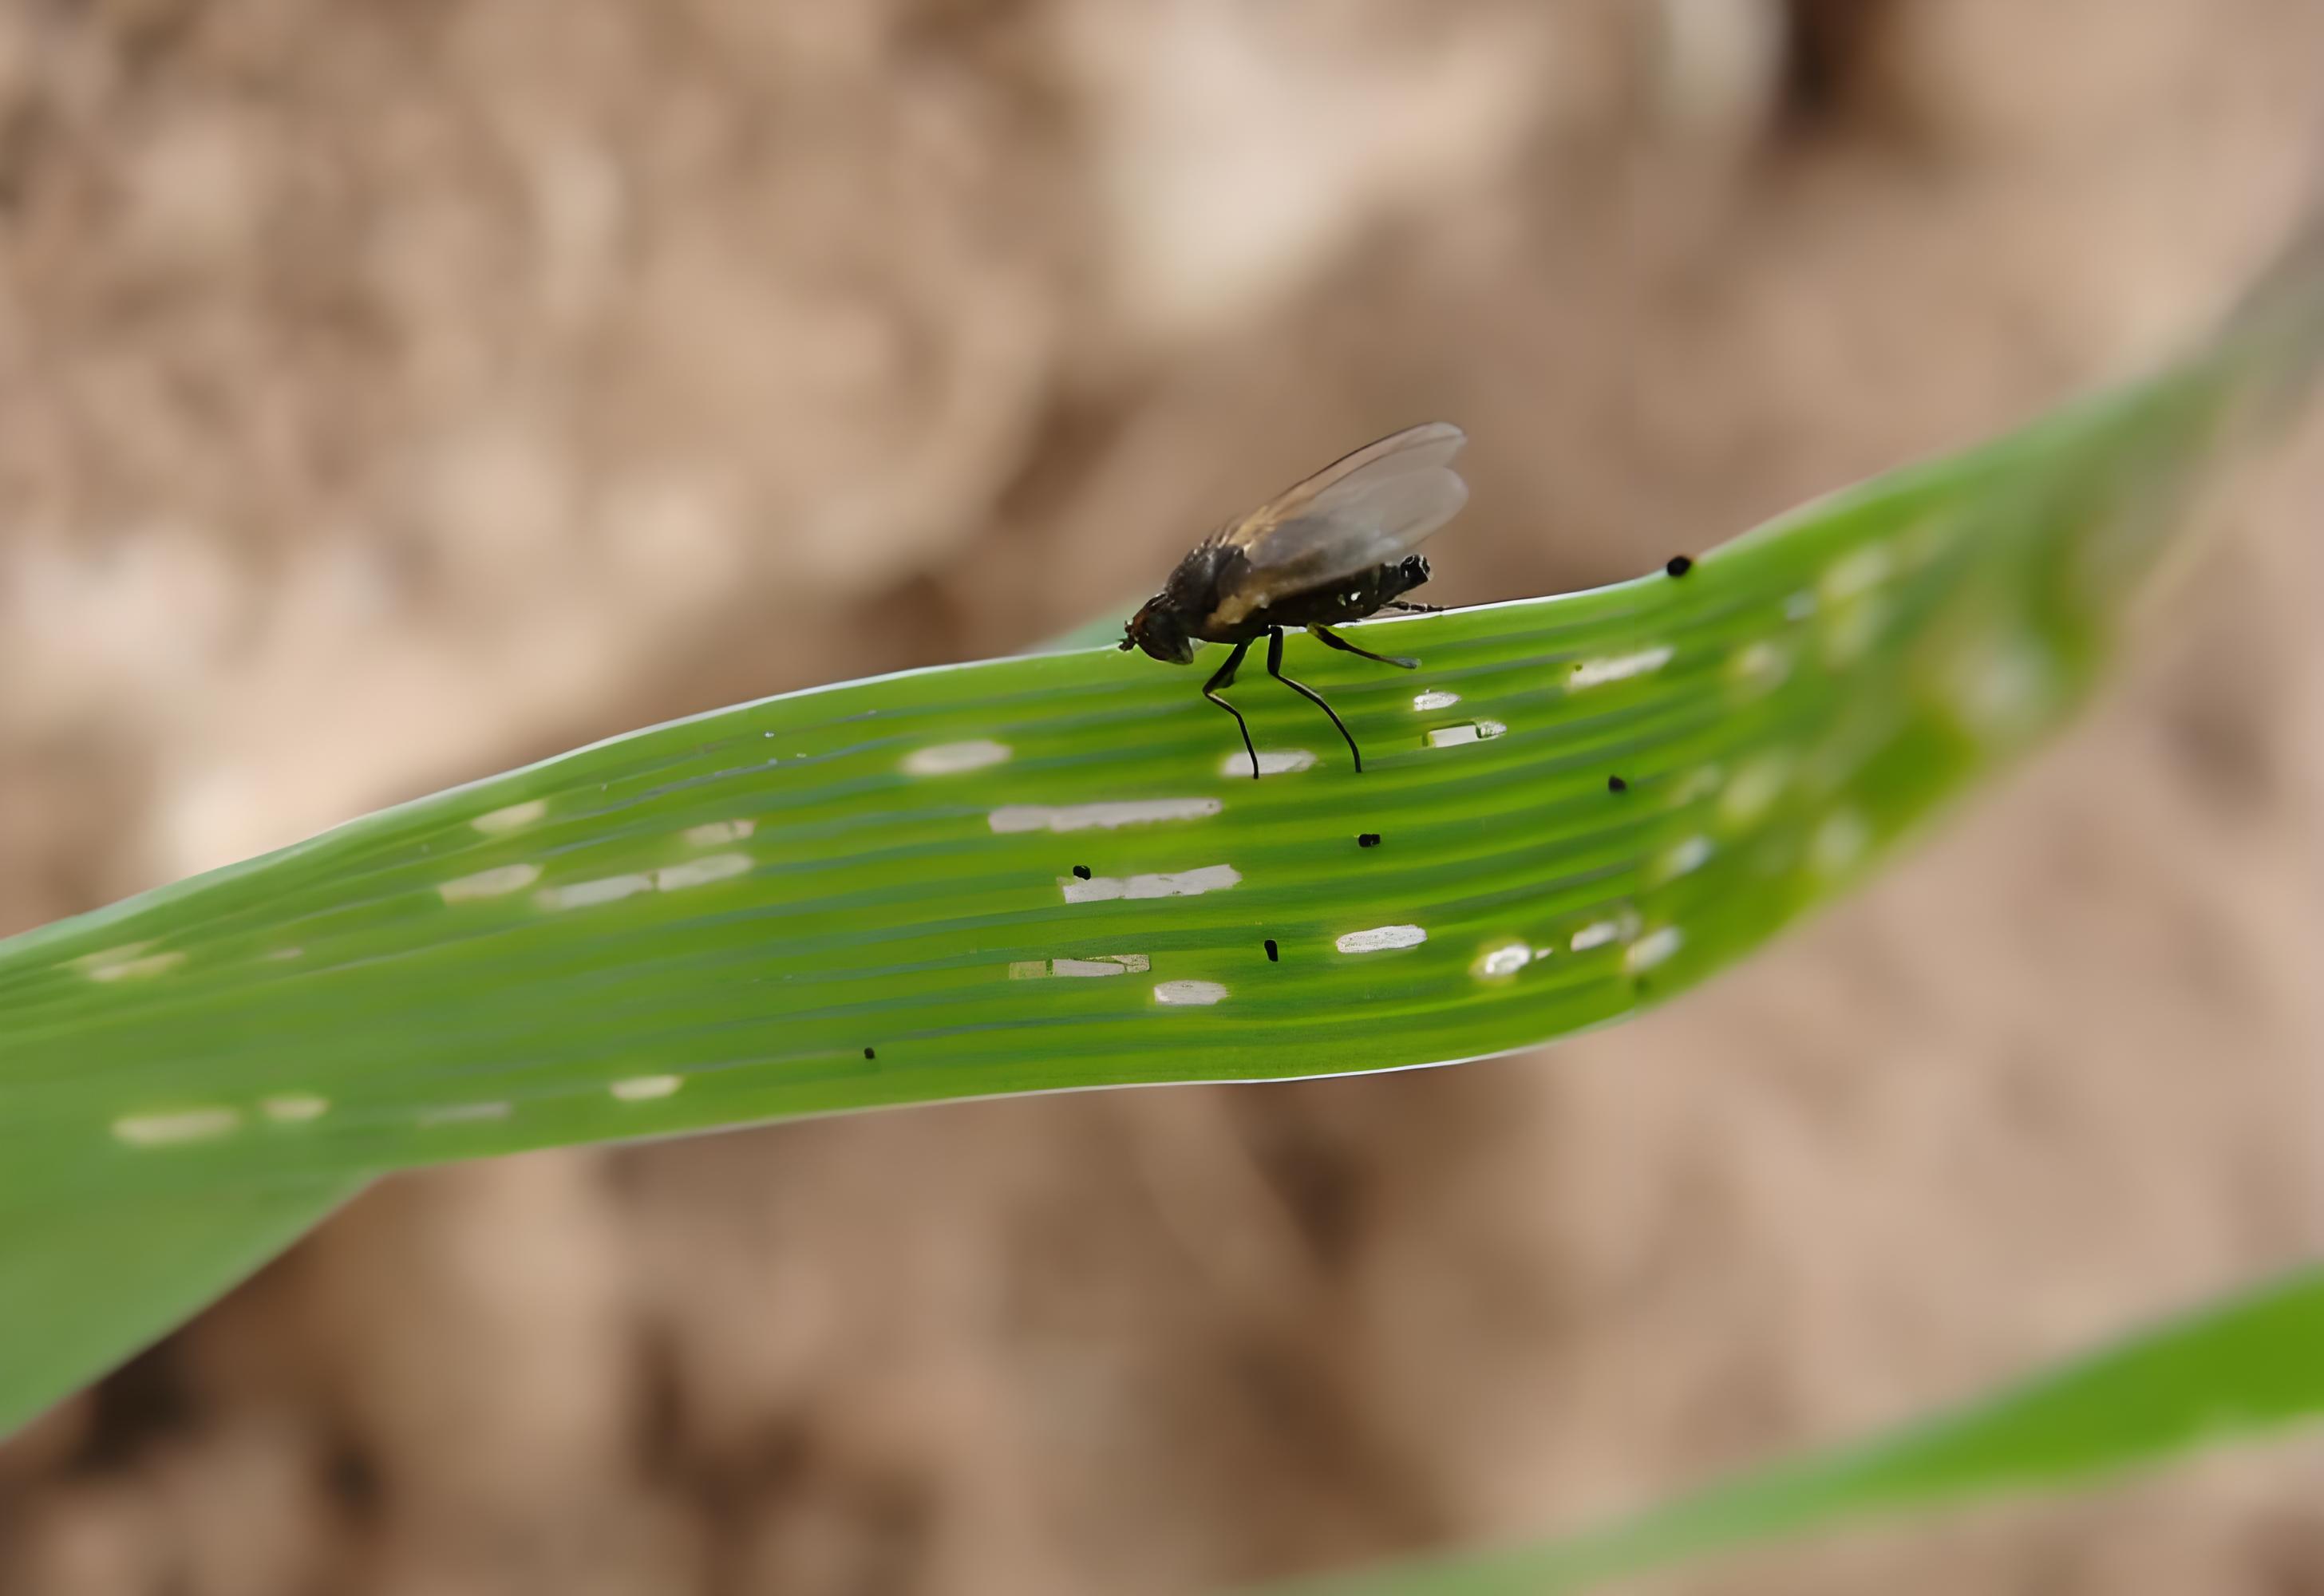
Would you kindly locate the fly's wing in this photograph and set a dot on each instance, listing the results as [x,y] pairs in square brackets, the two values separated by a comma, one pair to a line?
[1370,509]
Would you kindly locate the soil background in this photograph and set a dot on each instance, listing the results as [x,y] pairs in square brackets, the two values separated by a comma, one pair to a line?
[394,392]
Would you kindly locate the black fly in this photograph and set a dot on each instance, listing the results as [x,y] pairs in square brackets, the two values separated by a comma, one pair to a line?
[1335,549]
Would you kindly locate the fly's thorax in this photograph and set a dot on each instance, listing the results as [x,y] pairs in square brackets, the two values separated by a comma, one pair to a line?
[1200,588]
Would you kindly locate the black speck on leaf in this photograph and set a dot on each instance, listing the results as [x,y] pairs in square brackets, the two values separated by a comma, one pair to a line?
[1369,839]
[869,1054]
[1271,950]
[1615,784]
[1679,565]
[1082,871]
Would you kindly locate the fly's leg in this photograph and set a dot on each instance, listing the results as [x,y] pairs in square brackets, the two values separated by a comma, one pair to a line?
[1403,608]
[1275,669]
[1224,678]
[1345,647]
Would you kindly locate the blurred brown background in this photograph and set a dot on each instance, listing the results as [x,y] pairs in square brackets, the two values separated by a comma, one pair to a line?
[390,392]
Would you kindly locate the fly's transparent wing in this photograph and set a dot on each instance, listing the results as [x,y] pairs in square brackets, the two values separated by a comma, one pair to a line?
[1370,509]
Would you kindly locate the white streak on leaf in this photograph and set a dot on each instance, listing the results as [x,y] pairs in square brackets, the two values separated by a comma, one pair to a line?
[1184,883]
[2003,687]
[1129,963]
[644,1088]
[131,962]
[1760,666]
[1651,949]
[583,894]
[296,1108]
[1380,938]
[1272,762]
[1505,960]
[695,873]
[1435,699]
[1596,935]
[949,758]
[1183,993]
[1838,843]
[1473,732]
[490,883]
[1688,855]
[512,818]
[711,834]
[1112,963]
[1856,574]
[1017,817]
[1755,789]
[164,1130]
[1589,673]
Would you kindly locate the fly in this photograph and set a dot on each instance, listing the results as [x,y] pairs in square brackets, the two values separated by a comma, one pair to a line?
[1337,548]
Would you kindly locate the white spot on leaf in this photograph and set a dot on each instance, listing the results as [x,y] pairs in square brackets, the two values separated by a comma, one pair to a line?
[1755,789]
[1856,574]
[949,758]
[695,873]
[1474,731]
[1184,994]
[512,818]
[1838,843]
[1272,762]
[130,962]
[1589,673]
[296,1108]
[644,1088]
[1380,938]
[1651,949]
[1112,964]
[1505,960]
[713,833]
[1017,818]
[164,1130]
[1688,855]
[603,890]
[1184,883]
[490,883]
[1435,699]
[1595,934]
[1760,666]
[2003,688]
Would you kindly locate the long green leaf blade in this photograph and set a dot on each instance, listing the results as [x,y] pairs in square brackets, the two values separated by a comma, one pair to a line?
[2237,1369]
[868,894]
[874,893]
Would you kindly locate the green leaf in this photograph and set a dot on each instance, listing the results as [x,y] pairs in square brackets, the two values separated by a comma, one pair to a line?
[86,1284]
[872,894]
[2237,1369]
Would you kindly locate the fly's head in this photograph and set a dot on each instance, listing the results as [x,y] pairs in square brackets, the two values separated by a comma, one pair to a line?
[1157,629]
